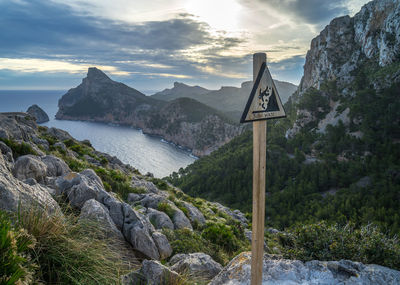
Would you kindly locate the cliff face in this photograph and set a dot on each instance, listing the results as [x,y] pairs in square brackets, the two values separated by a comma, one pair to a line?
[182,121]
[349,52]
[372,34]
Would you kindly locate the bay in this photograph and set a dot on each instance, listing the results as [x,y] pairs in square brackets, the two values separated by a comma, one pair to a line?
[131,146]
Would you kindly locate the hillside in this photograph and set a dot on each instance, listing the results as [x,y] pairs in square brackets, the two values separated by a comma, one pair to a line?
[65,207]
[336,156]
[184,122]
[230,100]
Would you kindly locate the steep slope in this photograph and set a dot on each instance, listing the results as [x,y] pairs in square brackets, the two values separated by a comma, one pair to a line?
[230,100]
[184,122]
[336,156]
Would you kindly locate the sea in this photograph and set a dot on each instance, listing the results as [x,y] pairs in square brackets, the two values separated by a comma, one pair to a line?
[144,152]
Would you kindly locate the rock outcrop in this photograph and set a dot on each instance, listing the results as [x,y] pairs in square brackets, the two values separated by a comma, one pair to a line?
[38,113]
[197,265]
[283,271]
[374,32]
[183,121]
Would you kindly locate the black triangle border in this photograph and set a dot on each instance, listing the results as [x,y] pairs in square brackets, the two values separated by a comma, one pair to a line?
[252,94]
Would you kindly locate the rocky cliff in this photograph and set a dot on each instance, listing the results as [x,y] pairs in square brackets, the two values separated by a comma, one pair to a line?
[38,113]
[184,122]
[347,42]
[349,53]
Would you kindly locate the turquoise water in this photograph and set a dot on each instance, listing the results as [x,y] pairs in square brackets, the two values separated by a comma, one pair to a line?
[144,152]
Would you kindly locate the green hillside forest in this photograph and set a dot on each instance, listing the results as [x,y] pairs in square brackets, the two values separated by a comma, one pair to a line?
[331,176]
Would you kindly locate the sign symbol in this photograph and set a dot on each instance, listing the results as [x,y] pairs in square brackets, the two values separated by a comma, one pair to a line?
[264,102]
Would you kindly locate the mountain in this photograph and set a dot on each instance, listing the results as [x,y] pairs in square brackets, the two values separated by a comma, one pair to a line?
[180,90]
[182,121]
[336,155]
[230,100]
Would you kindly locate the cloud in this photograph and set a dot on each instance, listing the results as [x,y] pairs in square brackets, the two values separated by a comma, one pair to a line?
[310,11]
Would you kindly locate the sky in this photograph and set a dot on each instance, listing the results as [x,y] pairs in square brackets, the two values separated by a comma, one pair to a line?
[149,44]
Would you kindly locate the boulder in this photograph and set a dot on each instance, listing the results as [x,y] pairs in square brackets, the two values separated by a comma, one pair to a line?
[60,145]
[7,152]
[14,192]
[159,219]
[93,210]
[141,183]
[179,219]
[152,273]
[161,241]
[284,271]
[59,134]
[30,166]
[197,265]
[38,113]
[55,166]
[195,215]
[86,185]
[235,214]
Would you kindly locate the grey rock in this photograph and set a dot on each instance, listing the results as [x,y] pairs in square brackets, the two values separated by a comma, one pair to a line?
[59,134]
[17,126]
[161,241]
[30,166]
[60,145]
[197,265]
[55,166]
[195,215]
[133,197]
[159,219]
[364,182]
[30,181]
[235,214]
[38,113]
[179,219]
[7,152]
[93,210]
[86,185]
[41,142]
[4,134]
[13,192]
[152,200]
[283,271]
[141,183]
[152,273]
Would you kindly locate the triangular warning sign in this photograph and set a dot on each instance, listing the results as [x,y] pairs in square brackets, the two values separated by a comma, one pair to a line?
[264,102]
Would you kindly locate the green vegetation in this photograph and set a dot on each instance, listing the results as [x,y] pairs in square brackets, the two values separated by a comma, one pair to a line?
[15,259]
[19,148]
[349,178]
[166,208]
[69,252]
[333,242]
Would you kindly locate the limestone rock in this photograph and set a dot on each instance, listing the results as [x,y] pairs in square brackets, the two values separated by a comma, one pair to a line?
[159,219]
[152,273]
[141,183]
[38,113]
[7,152]
[30,166]
[235,214]
[179,219]
[161,241]
[195,215]
[283,271]
[59,134]
[13,192]
[197,265]
[55,166]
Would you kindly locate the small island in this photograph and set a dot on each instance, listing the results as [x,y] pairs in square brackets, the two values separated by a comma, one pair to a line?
[38,113]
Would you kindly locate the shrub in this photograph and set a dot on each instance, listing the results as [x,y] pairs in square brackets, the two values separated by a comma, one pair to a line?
[69,252]
[161,184]
[166,208]
[333,242]
[15,263]
[19,149]
[221,235]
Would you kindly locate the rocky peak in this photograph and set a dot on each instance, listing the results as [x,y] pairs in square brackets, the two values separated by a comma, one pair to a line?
[346,42]
[95,74]
[38,113]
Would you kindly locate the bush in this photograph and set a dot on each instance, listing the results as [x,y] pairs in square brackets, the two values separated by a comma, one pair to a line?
[166,208]
[19,149]
[15,263]
[221,235]
[161,184]
[333,242]
[69,252]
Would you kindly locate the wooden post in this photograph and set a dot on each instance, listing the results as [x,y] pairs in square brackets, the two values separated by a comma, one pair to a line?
[259,161]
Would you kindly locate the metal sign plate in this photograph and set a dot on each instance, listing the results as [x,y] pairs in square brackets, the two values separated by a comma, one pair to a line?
[264,102]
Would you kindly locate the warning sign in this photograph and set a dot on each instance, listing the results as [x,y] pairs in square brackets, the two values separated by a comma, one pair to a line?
[264,102]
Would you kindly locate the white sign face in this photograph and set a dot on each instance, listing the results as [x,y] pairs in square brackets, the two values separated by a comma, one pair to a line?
[264,102]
